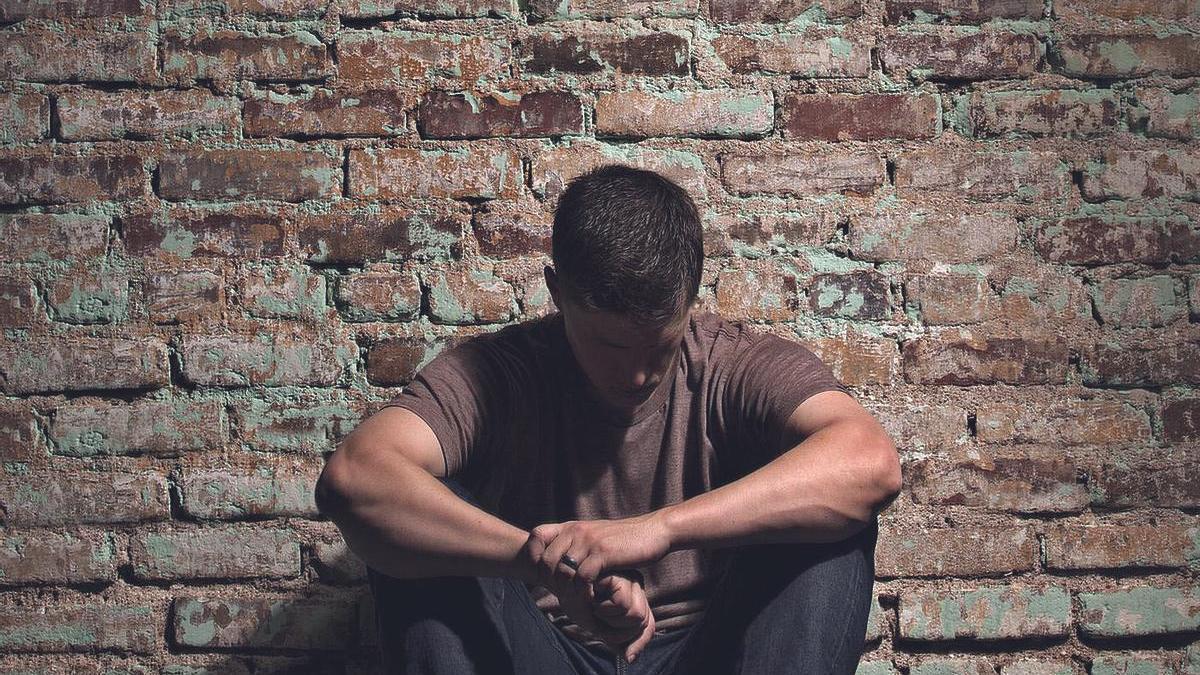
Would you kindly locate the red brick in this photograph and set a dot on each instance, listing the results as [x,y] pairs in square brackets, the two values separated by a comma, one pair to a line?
[380,295]
[479,171]
[467,295]
[1194,296]
[554,168]
[18,308]
[920,427]
[507,231]
[369,55]
[779,11]
[1106,55]
[458,9]
[758,290]
[986,613]
[330,113]
[844,172]
[88,294]
[393,362]
[1149,663]
[810,54]
[44,55]
[302,422]
[1016,480]
[16,10]
[45,557]
[1170,115]
[19,437]
[235,231]
[1047,296]
[36,177]
[233,174]
[1065,422]
[86,428]
[23,116]
[766,231]
[643,53]
[288,291]
[278,489]
[964,359]
[82,497]
[1159,364]
[43,237]
[83,363]
[841,117]
[205,52]
[859,359]
[918,235]
[176,296]
[961,551]
[1129,9]
[1139,610]
[1130,174]
[1155,478]
[736,113]
[1181,420]
[950,298]
[1058,112]
[320,623]
[1115,238]
[952,665]
[861,294]
[91,115]
[470,114]
[54,628]
[233,552]
[953,54]
[1105,546]
[1037,666]
[1144,302]
[270,359]
[1027,176]
[963,11]
[281,8]
[550,10]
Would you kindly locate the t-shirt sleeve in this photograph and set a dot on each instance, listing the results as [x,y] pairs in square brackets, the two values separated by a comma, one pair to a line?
[459,394]
[765,382]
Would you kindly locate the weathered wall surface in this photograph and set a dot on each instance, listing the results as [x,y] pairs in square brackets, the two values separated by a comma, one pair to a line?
[230,228]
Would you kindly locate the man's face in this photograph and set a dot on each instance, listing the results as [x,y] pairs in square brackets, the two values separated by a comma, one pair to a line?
[623,361]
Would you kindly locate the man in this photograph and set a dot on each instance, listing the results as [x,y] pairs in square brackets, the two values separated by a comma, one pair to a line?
[627,477]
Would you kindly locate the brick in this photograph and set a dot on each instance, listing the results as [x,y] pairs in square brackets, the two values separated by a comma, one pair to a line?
[88,294]
[33,628]
[83,363]
[235,493]
[85,428]
[1110,56]
[335,563]
[379,295]
[554,168]
[860,117]
[1014,481]
[861,294]
[460,295]
[920,427]
[953,54]
[235,231]
[23,116]
[1172,363]
[975,359]
[844,172]
[1099,547]
[1170,115]
[962,11]
[399,56]
[1139,611]
[39,178]
[268,359]
[83,497]
[458,9]
[205,52]
[46,237]
[91,115]
[585,53]
[234,174]
[18,432]
[480,171]
[1181,420]
[320,623]
[16,10]
[1067,422]
[1130,174]
[283,292]
[1144,302]
[947,665]
[1134,664]
[1194,296]
[395,361]
[236,552]
[470,114]
[768,232]
[728,113]
[552,10]
[1038,667]
[44,557]
[859,359]
[1024,176]
[758,290]
[175,296]
[329,113]
[1048,295]
[913,235]
[949,298]
[956,551]
[388,233]
[504,232]
[281,8]
[1130,9]
[295,421]
[1057,112]
[779,11]
[879,667]
[985,614]
[80,55]
[812,54]
[18,306]
[1155,478]
[1114,238]
[877,620]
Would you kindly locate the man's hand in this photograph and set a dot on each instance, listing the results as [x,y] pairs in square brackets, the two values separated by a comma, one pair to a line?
[617,612]
[598,546]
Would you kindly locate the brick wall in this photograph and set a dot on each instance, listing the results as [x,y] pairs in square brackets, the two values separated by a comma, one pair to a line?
[229,229]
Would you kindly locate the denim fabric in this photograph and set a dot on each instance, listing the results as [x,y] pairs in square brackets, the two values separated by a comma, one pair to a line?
[779,608]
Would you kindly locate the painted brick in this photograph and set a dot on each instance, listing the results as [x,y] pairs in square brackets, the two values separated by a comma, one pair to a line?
[512,232]
[461,295]
[1114,238]
[281,8]
[335,563]
[236,552]
[1099,547]
[226,175]
[471,114]
[207,52]
[277,490]
[18,306]
[1194,296]
[1157,477]
[779,11]
[1015,481]
[1024,176]
[963,359]
[876,667]
[394,361]
[19,437]
[1033,666]
[952,54]
[877,621]
[283,292]
[1170,115]
[235,231]
[1104,55]
[915,426]
[1139,611]
[554,168]
[912,235]
[329,113]
[380,295]
[811,54]
[553,10]
[861,294]
[952,665]
[579,53]
[32,628]
[43,557]
[90,115]
[859,359]
[175,296]
[1181,420]
[1065,421]
[770,232]
[403,173]
[950,298]
[842,172]
[962,11]
[360,9]
[1130,9]
[1134,664]
[1145,302]
[83,363]
[42,237]
[87,428]
[860,117]
[1173,363]
[1130,174]
[83,497]
[733,113]
[1058,112]
[80,54]
[391,233]
[316,624]
[295,421]
[89,294]
[15,10]
[36,177]
[987,613]
[24,116]
[759,289]
[398,56]
[267,359]
[957,551]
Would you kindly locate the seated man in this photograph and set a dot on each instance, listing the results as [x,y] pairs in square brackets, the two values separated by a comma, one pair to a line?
[628,478]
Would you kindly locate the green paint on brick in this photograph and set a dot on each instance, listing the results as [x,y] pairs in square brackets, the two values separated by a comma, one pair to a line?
[1122,57]
[194,628]
[839,46]
[1139,611]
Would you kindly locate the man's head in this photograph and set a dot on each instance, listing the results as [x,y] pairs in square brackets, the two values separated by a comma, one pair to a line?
[628,251]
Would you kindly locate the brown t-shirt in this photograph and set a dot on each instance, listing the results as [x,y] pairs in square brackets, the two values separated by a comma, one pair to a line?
[519,428]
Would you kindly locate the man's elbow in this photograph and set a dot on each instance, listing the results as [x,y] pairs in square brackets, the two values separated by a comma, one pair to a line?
[889,479]
[329,493]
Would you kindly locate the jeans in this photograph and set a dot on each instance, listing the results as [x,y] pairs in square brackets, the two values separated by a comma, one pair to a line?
[778,608]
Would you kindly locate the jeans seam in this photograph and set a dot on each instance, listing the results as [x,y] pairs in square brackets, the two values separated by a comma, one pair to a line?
[539,618]
[858,582]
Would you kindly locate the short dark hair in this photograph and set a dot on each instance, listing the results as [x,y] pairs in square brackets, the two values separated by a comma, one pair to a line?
[628,240]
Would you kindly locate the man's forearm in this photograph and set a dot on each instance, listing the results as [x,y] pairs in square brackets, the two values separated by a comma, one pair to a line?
[824,489]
